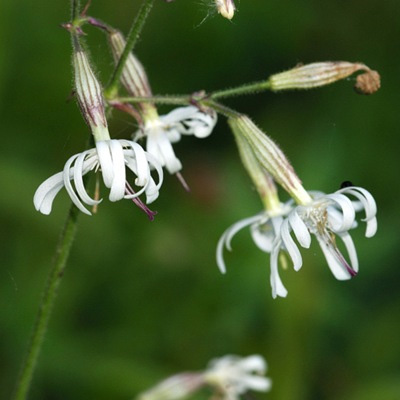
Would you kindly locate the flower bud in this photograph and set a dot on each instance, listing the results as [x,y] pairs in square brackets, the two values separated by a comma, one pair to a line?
[314,75]
[261,178]
[226,8]
[133,76]
[270,157]
[89,95]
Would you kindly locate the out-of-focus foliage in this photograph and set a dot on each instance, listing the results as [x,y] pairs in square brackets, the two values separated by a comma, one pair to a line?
[140,300]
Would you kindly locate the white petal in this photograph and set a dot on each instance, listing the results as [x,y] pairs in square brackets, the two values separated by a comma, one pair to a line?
[105,160]
[152,192]
[143,169]
[156,165]
[339,271]
[178,114]
[131,164]
[300,230]
[166,153]
[291,246]
[347,210]
[79,171]
[351,250]
[46,193]
[259,383]
[254,363]
[173,135]
[225,239]
[68,173]
[117,191]
[369,205]
[276,283]
[263,238]
[235,228]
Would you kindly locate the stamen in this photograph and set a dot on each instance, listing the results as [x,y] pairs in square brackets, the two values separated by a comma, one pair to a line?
[182,181]
[150,214]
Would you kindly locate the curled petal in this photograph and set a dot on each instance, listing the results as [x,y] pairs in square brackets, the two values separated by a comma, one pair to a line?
[278,289]
[336,262]
[81,167]
[227,236]
[300,230]
[143,170]
[67,174]
[106,162]
[291,246]
[118,160]
[46,193]
[368,204]
[191,121]
[347,210]
[159,145]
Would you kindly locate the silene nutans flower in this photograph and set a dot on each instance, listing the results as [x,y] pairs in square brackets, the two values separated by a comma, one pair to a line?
[226,8]
[229,376]
[160,131]
[112,157]
[281,228]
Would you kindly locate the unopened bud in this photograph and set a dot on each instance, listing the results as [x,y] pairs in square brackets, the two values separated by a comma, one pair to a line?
[262,180]
[133,76]
[314,75]
[270,157]
[226,8]
[368,82]
[89,95]
[174,388]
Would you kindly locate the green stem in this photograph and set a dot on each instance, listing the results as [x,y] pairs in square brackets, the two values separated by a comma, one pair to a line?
[75,6]
[174,100]
[46,305]
[182,100]
[133,35]
[250,88]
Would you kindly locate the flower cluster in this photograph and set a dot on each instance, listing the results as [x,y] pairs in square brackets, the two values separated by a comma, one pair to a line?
[114,158]
[281,228]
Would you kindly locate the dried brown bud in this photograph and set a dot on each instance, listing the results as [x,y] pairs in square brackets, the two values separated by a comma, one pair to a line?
[368,82]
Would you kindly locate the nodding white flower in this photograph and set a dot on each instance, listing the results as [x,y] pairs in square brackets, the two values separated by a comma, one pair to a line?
[265,231]
[226,8]
[232,375]
[327,217]
[112,158]
[161,131]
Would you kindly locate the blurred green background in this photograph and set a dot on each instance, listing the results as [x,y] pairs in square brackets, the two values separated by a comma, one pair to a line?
[141,301]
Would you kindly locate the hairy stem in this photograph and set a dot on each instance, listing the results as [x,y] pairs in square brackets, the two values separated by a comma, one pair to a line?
[250,88]
[49,294]
[133,35]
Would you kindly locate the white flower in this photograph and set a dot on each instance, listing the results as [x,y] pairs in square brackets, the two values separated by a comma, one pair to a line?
[161,131]
[233,375]
[226,8]
[328,217]
[112,157]
[265,231]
